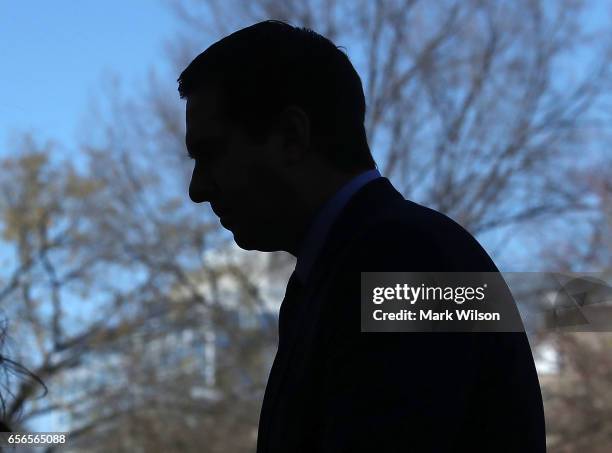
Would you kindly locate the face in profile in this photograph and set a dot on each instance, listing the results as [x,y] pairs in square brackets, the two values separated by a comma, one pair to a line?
[239,178]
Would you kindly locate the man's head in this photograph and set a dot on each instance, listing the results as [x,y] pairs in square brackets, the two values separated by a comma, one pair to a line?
[275,122]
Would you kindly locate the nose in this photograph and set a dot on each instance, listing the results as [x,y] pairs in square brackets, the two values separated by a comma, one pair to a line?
[200,187]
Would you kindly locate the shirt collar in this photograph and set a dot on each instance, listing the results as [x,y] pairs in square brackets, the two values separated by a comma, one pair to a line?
[323,221]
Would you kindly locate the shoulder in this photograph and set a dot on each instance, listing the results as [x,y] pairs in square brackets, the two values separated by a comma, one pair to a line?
[412,237]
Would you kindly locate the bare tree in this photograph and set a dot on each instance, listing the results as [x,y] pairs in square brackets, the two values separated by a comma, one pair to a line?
[576,393]
[103,291]
[472,110]
[489,112]
[472,105]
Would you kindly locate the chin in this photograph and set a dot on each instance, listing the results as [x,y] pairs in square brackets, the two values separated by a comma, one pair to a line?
[254,244]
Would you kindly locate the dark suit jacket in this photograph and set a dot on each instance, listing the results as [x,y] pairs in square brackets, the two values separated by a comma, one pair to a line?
[335,389]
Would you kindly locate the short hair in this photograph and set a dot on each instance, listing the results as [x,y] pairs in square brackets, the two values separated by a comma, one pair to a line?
[270,65]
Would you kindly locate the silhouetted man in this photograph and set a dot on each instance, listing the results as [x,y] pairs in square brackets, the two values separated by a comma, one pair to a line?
[275,123]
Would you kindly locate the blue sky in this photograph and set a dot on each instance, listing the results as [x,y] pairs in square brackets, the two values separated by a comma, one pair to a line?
[55,53]
[54,56]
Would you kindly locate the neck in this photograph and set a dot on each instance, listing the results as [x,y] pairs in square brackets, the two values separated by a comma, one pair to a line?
[311,199]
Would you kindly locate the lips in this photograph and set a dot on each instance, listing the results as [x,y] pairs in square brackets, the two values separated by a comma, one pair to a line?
[218,212]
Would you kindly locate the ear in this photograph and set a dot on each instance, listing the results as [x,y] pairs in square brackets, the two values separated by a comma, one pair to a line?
[294,128]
